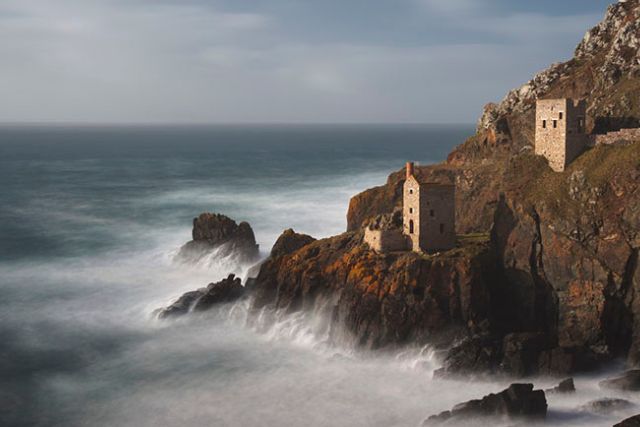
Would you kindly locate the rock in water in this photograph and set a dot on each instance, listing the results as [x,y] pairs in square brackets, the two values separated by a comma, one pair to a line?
[629,381]
[517,401]
[630,422]
[216,231]
[226,290]
[565,386]
[606,406]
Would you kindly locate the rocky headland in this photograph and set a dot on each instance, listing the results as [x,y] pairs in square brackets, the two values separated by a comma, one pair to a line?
[544,278]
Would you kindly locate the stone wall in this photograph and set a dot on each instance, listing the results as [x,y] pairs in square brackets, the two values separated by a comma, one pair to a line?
[411,211]
[621,137]
[560,131]
[381,240]
[437,213]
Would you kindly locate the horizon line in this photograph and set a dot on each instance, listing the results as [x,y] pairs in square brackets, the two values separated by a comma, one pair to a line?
[185,124]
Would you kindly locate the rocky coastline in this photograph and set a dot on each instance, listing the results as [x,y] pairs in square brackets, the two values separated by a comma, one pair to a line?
[544,279]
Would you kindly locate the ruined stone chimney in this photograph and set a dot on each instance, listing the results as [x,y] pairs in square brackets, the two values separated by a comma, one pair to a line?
[409,169]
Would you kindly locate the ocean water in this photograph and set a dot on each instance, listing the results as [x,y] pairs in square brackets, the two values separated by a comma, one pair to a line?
[90,218]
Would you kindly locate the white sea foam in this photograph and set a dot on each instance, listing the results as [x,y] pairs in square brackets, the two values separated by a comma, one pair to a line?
[86,351]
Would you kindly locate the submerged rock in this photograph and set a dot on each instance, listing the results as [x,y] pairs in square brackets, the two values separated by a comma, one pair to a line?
[181,306]
[565,386]
[607,406]
[629,381]
[517,401]
[226,290]
[216,231]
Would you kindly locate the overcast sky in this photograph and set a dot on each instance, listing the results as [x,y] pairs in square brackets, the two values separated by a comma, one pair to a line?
[433,61]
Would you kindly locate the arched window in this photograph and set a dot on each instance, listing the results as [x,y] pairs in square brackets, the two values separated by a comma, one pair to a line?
[411,226]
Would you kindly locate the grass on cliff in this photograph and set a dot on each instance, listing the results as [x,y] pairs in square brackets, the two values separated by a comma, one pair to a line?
[531,180]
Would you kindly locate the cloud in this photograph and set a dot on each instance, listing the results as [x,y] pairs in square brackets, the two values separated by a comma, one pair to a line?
[219,61]
[448,7]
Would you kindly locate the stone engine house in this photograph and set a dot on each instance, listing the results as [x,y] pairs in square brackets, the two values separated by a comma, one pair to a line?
[428,213]
[560,131]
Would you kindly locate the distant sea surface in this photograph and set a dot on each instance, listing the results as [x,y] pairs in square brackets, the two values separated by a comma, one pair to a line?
[90,219]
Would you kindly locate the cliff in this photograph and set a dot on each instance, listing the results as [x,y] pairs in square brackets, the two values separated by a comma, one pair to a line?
[565,286]
[373,300]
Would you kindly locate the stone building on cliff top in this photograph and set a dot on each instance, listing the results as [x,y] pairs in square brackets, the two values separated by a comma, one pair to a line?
[428,218]
[560,131]
[428,213]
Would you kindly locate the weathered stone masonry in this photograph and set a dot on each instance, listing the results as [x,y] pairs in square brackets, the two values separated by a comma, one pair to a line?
[560,131]
[428,213]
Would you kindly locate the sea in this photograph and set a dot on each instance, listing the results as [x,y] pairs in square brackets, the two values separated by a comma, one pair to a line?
[91,218]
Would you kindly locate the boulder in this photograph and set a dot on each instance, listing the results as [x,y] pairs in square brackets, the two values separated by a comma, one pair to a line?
[629,381]
[226,290]
[216,231]
[565,386]
[629,422]
[517,401]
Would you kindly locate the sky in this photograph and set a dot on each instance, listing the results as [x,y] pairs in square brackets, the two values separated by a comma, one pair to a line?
[276,61]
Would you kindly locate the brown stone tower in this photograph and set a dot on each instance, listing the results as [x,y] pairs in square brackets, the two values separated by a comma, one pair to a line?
[560,131]
[428,213]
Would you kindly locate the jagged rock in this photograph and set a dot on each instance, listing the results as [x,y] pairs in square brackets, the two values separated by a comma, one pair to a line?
[474,355]
[290,241]
[629,422]
[517,401]
[565,386]
[629,381]
[216,231]
[181,306]
[226,290]
[607,406]
[375,300]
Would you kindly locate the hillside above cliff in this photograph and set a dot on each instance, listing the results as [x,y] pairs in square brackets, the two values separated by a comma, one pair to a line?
[605,71]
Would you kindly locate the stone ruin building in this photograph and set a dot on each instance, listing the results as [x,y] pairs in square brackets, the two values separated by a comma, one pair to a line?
[384,234]
[428,213]
[560,131]
[426,222]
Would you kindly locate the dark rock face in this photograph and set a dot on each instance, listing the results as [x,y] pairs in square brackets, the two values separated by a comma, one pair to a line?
[226,290]
[629,381]
[216,231]
[375,300]
[629,422]
[288,242]
[607,406]
[181,306]
[517,401]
